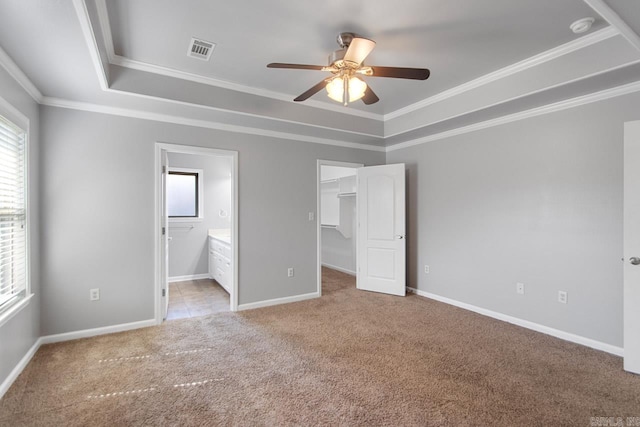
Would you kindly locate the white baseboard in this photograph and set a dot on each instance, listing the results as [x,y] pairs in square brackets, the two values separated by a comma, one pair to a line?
[343,270]
[278,301]
[85,333]
[48,339]
[13,375]
[588,342]
[189,277]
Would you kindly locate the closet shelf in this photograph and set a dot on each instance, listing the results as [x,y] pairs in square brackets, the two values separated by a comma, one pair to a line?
[349,194]
[328,226]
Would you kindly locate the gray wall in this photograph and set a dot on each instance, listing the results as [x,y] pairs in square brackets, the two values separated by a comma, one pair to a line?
[98,210]
[22,331]
[338,251]
[188,248]
[538,201]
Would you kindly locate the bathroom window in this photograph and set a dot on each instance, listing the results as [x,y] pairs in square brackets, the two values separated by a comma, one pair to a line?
[184,194]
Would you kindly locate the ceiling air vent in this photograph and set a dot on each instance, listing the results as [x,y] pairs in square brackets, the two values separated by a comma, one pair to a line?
[200,49]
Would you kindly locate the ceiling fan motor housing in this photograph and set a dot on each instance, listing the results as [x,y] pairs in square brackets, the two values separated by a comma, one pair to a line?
[344,39]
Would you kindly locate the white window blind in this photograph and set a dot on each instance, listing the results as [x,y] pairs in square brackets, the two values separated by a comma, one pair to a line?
[13,215]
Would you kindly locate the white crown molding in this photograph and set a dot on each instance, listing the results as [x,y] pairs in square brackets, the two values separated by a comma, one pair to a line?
[7,63]
[14,114]
[543,57]
[114,59]
[21,78]
[550,108]
[509,70]
[615,20]
[528,63]
[166,118]
[88,33]
[105,27]
[513,98]
[567,336]
[103,18]
[241,113]
[170,72]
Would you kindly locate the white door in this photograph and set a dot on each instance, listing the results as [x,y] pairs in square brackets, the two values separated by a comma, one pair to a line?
[631,247]
[381,249]
[164,219]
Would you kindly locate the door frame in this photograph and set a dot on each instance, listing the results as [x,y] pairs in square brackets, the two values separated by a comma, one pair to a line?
[321,163]
[159,259]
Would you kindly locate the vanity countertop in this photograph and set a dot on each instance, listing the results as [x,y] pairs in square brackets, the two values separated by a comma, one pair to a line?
[222,234]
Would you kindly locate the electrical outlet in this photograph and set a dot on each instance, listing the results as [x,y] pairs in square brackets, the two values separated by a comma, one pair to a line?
[311,216]
[290,272]
[563,297]
[94,294]
[426,269]
[520,288]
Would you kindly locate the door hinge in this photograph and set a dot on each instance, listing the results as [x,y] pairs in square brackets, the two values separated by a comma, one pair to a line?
[164,169]
[164,292]
[164,231]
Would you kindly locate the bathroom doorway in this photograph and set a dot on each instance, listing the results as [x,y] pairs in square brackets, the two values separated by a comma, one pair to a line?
[196,231]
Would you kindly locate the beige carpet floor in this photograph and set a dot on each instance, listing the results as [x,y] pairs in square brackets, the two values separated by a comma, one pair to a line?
[348,358]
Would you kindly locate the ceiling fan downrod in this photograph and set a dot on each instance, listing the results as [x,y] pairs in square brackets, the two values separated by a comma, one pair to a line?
[345,94]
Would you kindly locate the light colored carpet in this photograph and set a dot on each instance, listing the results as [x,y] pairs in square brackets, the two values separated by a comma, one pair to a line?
[348,358]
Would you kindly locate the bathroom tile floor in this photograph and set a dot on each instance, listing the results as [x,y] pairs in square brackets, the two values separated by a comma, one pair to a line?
[194,298]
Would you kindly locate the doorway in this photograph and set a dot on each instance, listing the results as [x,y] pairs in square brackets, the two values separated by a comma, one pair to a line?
[336,217]
[204,223]
[366,225]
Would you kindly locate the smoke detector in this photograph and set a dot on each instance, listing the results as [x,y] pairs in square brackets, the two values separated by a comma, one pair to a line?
[582,25]
[200,49]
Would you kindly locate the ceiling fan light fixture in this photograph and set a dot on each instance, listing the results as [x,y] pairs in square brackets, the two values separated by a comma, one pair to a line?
[335,89]
[344,64]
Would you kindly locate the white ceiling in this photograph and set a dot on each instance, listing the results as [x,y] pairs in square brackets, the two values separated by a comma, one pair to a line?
[488,58]
[459,40]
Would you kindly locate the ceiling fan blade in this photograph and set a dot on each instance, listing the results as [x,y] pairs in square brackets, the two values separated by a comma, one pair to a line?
[370,97]
[308,94]
[359,49]
[295,66]
[400,73]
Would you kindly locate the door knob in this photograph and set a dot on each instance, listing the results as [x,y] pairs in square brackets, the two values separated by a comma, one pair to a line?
[634,260]
[400,236]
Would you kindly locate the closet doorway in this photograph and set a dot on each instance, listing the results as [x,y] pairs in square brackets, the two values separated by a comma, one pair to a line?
[197,210]
[336,217]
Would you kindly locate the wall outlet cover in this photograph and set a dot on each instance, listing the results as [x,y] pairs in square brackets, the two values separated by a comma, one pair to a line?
[563,297]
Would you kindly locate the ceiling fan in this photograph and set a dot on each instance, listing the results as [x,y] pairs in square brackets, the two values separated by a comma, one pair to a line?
[344,64]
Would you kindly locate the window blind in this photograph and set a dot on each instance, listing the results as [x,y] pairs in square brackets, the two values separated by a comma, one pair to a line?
[13,224]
